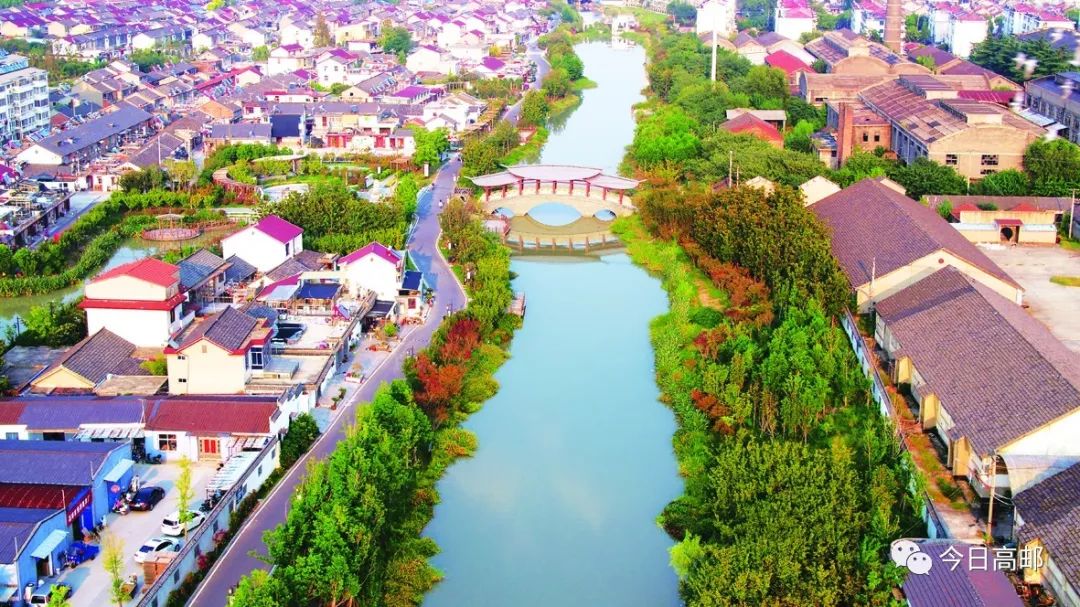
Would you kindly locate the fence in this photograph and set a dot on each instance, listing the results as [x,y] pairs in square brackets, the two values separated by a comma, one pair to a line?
[201,540]
[934,526]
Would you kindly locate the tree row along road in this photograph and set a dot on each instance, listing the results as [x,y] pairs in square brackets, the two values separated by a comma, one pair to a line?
[237,560]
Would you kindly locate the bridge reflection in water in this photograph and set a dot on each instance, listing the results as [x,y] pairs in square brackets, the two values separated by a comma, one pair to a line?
[519,189]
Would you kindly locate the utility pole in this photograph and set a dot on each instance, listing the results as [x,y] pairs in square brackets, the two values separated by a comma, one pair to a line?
[1072,213]
[714,47]
[730,163]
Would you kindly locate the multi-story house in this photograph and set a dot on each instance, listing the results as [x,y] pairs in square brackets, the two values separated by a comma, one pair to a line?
[219,353]
[867,17]
[1024,18]
[1057,97]
[793,18]
[141,301]
[89,140]
[24,98]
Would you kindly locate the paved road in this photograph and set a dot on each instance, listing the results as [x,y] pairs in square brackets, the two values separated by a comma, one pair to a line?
[542,68]
[237,562]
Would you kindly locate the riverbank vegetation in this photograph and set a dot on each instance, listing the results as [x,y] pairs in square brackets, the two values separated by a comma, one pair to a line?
[353,533]
[794,482]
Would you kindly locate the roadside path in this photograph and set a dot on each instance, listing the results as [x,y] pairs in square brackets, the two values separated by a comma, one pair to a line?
[237,561]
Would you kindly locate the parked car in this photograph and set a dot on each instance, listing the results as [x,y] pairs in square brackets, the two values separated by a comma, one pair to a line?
[156,544]
[41,595]
[171,525]
[146,498]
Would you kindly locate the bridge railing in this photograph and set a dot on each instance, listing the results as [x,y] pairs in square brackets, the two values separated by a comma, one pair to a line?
[562,189]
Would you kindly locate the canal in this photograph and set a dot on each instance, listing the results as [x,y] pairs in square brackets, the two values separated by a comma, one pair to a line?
[558,505]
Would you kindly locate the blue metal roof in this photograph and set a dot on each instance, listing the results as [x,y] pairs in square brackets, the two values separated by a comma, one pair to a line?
[16,527]
[412,280]
[53,462]
[318,291]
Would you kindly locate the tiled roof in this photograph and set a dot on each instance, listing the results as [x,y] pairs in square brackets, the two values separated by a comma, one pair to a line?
[278,229]
[1005,203]
[99,355]
[374,248]
[287,268]
[786,61]
[52,462]
[90,133]
[748,123]
[1051,513]
[228,329]
[147,269]
[196,267]
[238,269]
[998,372]
[874,226]
[210,414]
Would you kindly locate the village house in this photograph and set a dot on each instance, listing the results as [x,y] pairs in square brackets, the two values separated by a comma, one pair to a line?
[1022,410]
[140,301]
[218,354]
[89,363]
[83,143]
[265,244]
[181,426]
[373,268]
[886,242]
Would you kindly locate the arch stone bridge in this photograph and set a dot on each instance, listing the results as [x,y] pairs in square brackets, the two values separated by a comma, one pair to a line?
[587,190]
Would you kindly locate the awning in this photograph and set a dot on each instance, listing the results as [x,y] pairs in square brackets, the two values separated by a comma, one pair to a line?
[85,434]
[1008,222]
[49,544]
[118,471]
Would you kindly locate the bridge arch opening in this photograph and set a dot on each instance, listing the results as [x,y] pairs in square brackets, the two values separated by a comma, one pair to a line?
[605,215]
[554,214]
[503,212]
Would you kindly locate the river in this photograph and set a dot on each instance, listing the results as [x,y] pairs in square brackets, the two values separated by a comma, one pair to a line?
[558,505]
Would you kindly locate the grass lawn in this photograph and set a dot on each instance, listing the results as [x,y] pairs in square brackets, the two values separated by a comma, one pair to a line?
[584,83]
[645,19]
[1067,281]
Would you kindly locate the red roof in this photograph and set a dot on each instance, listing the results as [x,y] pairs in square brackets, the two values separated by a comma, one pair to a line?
[787,62]
[1026,207]
[278,229]
[1008,222]
[132,304]
[214,415]
[148,269]
[998,97]
[373,248]
[17,495]
[749,123]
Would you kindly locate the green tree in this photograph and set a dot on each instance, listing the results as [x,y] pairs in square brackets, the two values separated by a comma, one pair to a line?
[303,431]
[1054,167]
[338,88]
[321,36]
[58,596]
[143,180]
[924,176]
[53,324]
[260,53]
[665,137]
[1010,182]
[763,83]
[8,266]
[928,62]
[534,109]
[184,494]
[557,84]
[396,40]
[405,193]
[798,138]
[684,13]
[917,29]
[430,145]
[571,64]
[181,172]
[112,559]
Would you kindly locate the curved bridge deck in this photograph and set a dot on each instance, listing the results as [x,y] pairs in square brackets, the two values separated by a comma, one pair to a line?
[587,201]
[585,233]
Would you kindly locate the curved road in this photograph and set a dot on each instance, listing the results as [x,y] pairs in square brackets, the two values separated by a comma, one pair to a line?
[542,68]
[237,561]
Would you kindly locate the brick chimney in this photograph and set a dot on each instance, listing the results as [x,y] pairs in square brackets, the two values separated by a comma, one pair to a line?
[894,25]
[845,134]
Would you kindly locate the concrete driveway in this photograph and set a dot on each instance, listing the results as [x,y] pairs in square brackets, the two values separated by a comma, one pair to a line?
[89,581]
[1053,304]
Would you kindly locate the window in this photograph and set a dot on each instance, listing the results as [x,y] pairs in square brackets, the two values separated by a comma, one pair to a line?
[987,172]
[166,442]
[865,137]
[255,355]
[11,435]
[877,137]
[182,380]
[989,160]
[950,159]
[181,357]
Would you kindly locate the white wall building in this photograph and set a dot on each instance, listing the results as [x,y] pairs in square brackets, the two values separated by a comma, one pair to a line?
[374,268]
[140,301]
[965,31]
[793,19]
[265,244]
[24,98]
